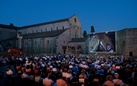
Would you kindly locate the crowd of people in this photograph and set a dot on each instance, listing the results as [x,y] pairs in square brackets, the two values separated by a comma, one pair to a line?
[69,70]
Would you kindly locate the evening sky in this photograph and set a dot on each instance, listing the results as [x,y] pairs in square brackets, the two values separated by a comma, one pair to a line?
[104,15]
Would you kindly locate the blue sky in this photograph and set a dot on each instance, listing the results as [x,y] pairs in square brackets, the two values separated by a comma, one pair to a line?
[104,15]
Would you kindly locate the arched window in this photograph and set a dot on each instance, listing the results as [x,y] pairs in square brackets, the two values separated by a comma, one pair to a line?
[51,28]
[57,28]
[63,27]
[47,41]
[75,20]
[46,29]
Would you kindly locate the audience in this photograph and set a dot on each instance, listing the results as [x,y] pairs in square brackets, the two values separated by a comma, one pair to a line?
[61,70]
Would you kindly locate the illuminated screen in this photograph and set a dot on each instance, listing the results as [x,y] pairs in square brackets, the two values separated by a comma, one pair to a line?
[102,42]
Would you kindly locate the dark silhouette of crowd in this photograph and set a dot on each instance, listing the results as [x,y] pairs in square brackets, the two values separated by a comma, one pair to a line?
[69,70]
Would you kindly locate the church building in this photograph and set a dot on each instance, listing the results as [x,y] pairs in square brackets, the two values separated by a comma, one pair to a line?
[62,36]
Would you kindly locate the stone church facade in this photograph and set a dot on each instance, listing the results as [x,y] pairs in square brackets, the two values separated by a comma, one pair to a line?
[51,37]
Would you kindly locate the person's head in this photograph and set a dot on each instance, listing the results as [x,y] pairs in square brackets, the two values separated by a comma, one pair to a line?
[59,76]
[109,77]
[8,68]
[124,84]
[38,73]
[69,71]
[65,70]
[83,71]
[116,75]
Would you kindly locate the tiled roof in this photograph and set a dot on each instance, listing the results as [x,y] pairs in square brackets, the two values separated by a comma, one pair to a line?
[8,26]
[38,35]
[10,39]
[24,27]
[33,25]
[43,34]
[51,22]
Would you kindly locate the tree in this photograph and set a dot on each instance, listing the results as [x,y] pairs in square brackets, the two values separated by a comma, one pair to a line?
[85,33]
[92,29]
[11,25]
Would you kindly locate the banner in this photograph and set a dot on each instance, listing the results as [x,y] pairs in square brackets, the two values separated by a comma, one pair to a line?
[102,42]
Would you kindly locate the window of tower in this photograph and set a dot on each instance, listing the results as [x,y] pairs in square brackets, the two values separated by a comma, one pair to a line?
[75,20]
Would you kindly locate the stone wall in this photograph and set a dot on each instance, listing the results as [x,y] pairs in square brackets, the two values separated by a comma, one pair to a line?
[127,41]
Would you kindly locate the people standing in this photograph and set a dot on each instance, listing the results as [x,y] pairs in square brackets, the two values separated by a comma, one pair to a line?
[9,74]
[109,81]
